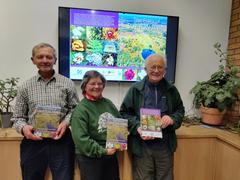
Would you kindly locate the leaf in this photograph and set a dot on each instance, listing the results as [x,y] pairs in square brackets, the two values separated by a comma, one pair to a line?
[220,90]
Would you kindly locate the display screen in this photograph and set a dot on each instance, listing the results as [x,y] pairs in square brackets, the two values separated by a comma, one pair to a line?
[114,43]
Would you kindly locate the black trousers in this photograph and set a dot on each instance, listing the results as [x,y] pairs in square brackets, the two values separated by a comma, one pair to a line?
[104,168]
[58,155]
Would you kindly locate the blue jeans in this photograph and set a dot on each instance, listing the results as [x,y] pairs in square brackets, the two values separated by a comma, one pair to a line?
[155,163]
[58,155]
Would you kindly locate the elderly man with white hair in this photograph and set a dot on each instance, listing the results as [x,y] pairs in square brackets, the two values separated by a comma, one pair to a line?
[153,157]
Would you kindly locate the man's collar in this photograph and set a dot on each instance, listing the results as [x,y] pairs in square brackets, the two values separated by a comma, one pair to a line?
[39,77]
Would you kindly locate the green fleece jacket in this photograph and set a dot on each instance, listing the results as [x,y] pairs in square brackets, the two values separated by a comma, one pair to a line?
[130,109]
[88,128]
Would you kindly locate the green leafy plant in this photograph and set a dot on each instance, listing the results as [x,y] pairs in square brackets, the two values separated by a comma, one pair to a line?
[220,91]
[8,91]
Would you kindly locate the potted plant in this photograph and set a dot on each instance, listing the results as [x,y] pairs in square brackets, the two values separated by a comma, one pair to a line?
[219,92]
[8,91]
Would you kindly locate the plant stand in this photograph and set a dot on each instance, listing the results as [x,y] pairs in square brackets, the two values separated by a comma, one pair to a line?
[212,116]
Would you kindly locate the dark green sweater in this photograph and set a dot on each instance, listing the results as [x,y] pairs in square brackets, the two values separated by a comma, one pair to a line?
[89,137]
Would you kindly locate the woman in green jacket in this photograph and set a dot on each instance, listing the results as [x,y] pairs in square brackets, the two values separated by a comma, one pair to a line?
[88,124]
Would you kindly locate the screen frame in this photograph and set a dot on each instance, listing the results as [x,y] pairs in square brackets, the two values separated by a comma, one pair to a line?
[64,45]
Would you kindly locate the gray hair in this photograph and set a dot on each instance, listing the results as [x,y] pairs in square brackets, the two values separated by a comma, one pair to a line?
[89,75]
[43,45]
[159,56]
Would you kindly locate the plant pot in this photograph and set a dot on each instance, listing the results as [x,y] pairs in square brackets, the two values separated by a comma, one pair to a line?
[6,123]
[212,116]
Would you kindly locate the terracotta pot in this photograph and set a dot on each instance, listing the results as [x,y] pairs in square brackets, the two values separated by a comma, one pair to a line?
[212,116]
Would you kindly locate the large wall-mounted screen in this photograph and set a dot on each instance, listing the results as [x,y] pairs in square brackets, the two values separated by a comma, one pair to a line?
[114,43]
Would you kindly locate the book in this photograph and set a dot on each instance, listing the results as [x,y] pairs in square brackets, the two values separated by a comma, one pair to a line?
[117,133]
[46,121]
[150,120]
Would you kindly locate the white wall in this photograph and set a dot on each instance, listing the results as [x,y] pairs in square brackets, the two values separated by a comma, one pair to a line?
[23,24]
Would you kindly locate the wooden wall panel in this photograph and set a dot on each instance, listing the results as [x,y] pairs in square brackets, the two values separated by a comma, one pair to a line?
[193,159]
[202,154]
[227,161]
[9,160]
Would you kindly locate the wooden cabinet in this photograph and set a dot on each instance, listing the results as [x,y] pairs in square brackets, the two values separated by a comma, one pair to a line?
[227,161]
[194,159]
[206,153]
[9,159]
[203,153]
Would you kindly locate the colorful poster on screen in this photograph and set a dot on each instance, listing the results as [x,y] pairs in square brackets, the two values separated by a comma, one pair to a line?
[115,44]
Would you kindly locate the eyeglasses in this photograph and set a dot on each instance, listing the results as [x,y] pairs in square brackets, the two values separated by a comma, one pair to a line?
[95,84]
[158,68]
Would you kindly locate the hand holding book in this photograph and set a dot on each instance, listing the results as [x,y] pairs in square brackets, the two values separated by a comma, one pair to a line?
[28,133]
[111,151]
[139,130]
[166,121]
[60,130]
[152,123]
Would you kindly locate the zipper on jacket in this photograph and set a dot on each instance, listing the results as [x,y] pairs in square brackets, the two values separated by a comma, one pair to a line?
[156,96]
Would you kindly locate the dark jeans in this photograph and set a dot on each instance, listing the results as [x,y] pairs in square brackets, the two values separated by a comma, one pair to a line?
[156,163]
[58,155]
[104,168]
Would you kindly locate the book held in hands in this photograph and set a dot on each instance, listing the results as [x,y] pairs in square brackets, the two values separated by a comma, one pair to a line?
[151,122]
[117,133]
[46,121]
